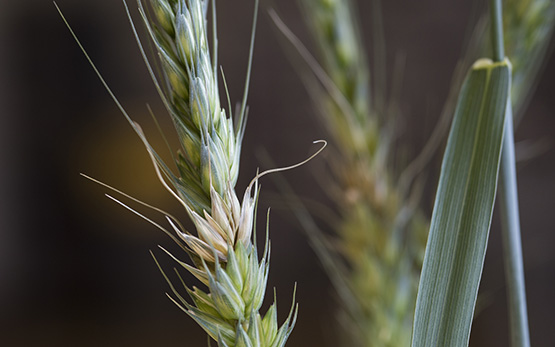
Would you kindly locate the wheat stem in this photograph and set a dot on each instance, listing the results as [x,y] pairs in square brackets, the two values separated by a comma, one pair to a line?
[508,197]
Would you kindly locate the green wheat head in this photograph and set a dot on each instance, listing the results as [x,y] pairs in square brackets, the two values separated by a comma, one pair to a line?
[225,258]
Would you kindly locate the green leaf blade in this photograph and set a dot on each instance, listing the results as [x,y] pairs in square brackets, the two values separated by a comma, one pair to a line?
[462,212]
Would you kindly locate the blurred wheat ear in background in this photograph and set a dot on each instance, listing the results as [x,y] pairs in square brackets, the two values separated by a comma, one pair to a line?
[378,246]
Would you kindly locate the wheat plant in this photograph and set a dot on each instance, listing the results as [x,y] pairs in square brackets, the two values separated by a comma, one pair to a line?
[377,252]
[225,258]
[375,257]
[223,250]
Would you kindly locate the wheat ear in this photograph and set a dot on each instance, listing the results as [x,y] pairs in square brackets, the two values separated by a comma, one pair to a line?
[224,256]
[382,233]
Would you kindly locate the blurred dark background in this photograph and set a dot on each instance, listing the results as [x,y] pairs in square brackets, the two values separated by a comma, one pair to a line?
[75,268]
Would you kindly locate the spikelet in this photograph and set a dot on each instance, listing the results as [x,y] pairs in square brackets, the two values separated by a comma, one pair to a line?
[225,259]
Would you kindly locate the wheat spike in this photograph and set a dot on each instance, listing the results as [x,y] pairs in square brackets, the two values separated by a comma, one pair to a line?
[382,234]
[224,257]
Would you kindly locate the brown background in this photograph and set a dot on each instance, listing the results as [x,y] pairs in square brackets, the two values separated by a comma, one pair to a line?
[75,268]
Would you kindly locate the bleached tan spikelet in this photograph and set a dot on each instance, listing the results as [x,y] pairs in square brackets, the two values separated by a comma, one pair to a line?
[382,250]
[225,259]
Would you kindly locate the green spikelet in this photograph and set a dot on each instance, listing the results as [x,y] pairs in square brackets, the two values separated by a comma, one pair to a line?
[210,145]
